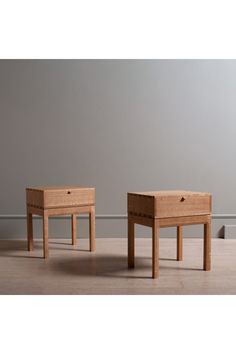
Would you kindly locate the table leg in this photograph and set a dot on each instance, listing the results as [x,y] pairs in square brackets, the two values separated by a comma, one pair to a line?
[30,231]
[92,242]
[179,243]
[155,249]
[45,235]
[74,229]
[131,243]
[207,247]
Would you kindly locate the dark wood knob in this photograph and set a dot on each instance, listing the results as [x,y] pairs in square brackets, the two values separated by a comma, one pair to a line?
[182,199]
[69,192]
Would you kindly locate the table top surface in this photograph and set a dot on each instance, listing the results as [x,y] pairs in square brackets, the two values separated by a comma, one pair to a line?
[170,193]
[57,188]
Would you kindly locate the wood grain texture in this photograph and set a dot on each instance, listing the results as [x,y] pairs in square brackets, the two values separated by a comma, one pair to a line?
[207,247]
[131,243]
[179,243]
[155,249]
[141,205]
[184,220]
[74,229]
[45,236]
[29,230]
[34,198]
[68,210]
[69,197]
[35,210]
[182,205]
[141,220]
[52,197]
[64,200]
[92,241]
[167,209]
[163,204]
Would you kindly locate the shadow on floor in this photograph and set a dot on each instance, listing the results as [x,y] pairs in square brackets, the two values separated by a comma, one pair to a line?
[69,246]
[114,266]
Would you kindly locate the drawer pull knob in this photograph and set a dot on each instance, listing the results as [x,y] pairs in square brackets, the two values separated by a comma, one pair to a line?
[182,199]
[68,192]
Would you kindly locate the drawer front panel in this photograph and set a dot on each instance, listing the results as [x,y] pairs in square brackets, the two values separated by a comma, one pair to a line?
[70,197]
[141,205]
[182,205]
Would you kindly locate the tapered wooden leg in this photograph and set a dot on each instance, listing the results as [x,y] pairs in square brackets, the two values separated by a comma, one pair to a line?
[155,249]
[207,247]
[92,242]
[179,243]
[30,231]
[74,229]
[131,243]
[45,236]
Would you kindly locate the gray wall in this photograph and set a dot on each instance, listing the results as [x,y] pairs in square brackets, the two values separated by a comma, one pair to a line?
[118,125]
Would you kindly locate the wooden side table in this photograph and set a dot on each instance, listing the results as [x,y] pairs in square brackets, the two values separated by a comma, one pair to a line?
[168,209]
[65,200]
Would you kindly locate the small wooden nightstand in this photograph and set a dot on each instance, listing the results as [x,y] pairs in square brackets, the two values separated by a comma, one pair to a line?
[65,200]
[166,209]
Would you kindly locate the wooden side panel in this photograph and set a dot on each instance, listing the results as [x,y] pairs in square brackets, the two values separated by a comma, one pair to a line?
[70,197]
[35,210]
[141,205]
[141,220]
[34,198]
[182,205]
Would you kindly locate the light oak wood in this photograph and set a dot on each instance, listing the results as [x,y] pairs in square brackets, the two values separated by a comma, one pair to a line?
[74,229]
[155,249]
[65,200]
[179,243]
[165,209]
[35,211]
[63,210]
[207,247]
[68,197]
[35,198]
[131,243]
[45,236]
[184,220]
[64,196]
[141,220]
[30,230]
[165,204]
[92,244]
[141,204]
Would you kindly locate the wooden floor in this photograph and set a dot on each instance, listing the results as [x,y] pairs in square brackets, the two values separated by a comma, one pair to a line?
[74,270]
